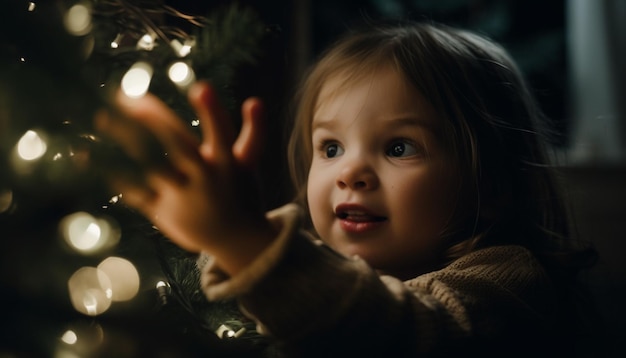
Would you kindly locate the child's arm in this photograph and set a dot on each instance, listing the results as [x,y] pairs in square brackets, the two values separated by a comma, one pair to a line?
[204,199]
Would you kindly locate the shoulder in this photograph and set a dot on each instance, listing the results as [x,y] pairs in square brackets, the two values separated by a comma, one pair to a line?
[496,272]
[497,258]
[508,265]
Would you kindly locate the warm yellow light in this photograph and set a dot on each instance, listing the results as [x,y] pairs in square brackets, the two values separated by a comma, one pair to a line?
[124,278]
[78,20]
[136,81]
[181,74]
[185,50]
[146,42]
[6,200]
[82,338]
[31,146]
[31,6]
[116,42]
[89,290]
[81,231]
[88,234]
[69,337]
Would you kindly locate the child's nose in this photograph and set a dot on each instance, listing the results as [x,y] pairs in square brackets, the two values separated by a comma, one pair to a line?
[357,175]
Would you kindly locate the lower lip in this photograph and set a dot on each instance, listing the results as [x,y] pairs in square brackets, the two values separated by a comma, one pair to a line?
[358,227]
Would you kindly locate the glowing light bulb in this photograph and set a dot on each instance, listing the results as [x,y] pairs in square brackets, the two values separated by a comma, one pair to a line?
[87,234]
[181,74]
[81,231]
[146,42]
[31,6]
[185,50]
[78,20]
[82,338]
[116,42]
[136,81]
[31,146]
[88,288]
[124,278]
[69,337]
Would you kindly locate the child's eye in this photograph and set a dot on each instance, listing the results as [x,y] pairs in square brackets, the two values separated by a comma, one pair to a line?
[332,150]
[401,148]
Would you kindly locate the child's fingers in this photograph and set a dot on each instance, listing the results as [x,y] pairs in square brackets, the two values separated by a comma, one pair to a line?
[177,142]
[133,138]
[249,145]
[140,150]
[217,131]
[136,194]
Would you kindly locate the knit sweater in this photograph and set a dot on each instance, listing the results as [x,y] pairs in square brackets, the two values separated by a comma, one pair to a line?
[315,302]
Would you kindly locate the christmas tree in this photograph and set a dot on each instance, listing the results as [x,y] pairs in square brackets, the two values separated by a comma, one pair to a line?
[81,274]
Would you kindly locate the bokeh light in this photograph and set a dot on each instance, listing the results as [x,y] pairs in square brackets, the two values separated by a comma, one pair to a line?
[31,146]
[146,42]
[136,81]
[180,49]
[87,234]
[6,200]
[90,291]
[78,19]
[116,42]
[69,337]
[80,339]
[124,277]
[181,74]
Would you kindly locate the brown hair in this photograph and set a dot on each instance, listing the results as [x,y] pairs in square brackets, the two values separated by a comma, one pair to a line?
[492,127]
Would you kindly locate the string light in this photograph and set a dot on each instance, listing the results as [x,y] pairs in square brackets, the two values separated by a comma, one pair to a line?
[124,278]
[90,291]
[163,290]
[224,331]
[181,74]
[69,337]
[77,19]
[136,81]
[31,6]
[180,49]
[31,146]
[81,338]
[116,42]
[87,234]
[146,42]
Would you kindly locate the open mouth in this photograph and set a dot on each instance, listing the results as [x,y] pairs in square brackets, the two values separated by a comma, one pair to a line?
[359,216]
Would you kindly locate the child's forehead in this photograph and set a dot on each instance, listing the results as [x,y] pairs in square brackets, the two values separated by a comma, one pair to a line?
[347,79]
[384,94]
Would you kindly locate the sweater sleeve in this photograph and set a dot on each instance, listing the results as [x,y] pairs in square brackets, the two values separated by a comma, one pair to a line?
[315,301]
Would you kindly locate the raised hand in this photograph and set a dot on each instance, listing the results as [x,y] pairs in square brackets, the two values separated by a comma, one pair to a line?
[204,197]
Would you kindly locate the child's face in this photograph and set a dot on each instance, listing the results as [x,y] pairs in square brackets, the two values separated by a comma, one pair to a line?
[379,186]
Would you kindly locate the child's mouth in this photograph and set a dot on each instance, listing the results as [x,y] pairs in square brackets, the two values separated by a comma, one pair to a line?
[357,216]
[356,219]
